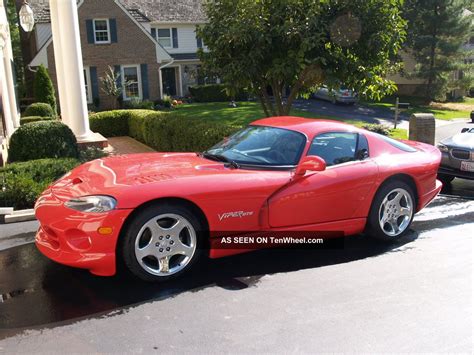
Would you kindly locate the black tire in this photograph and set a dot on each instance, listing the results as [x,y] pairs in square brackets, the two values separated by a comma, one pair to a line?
[445,179]
[374,228]
[126,250]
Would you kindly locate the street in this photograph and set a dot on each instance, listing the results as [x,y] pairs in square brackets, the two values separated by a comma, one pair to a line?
[415,296]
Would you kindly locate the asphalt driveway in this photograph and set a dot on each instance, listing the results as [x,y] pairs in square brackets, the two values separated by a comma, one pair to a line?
[412,296]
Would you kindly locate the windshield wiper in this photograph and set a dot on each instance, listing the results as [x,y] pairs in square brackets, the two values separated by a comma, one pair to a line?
[219,157]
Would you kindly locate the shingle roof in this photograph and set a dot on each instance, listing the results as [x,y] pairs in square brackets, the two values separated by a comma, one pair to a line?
[169,10]
[184,56]
[178,11]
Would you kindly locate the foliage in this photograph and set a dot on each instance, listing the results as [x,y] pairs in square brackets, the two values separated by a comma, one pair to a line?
[91,153]
[13,21]
[23,182]
[31,119]
[377,128]
[111,84]
[215,93]
[113,123]
[43,88]
[39,109]
[166,102]
[44,139]
[300,44]
[138,104]
[168,132]
[437,30]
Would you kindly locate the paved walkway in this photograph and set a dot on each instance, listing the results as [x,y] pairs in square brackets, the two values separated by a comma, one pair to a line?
[126,145]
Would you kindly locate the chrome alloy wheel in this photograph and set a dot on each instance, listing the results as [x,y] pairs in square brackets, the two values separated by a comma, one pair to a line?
[395,212]
[165,244]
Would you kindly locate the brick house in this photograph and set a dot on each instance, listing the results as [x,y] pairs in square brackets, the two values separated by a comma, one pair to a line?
[151,43]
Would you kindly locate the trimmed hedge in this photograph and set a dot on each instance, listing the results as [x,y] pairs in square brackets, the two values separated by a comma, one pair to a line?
[25,181]
[44,139]
[39,109]
[213,93]
[164,131]
[31,119]
[168,132]
[114,123]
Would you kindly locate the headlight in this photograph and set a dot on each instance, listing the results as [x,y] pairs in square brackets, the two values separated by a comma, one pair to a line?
[443,148]
[92,203]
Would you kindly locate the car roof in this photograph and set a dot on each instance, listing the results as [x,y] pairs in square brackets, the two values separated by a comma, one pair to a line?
[308,126]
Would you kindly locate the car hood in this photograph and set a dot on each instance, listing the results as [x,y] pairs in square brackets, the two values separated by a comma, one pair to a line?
[114,175]
[461,140]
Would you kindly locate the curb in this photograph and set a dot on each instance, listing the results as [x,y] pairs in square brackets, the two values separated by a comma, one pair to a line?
[7,215]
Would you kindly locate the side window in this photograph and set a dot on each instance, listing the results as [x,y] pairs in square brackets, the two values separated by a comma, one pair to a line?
[335,147]
[362,148]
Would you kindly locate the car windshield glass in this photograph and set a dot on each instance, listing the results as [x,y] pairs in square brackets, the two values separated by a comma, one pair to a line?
[260,145]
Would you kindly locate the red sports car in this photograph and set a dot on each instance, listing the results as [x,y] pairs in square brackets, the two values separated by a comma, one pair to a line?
[158,213]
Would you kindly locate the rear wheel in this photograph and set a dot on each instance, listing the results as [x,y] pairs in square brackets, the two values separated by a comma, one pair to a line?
[162,242]
[392,211]
[445,179]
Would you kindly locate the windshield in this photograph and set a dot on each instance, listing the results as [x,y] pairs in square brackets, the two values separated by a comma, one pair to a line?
[262,146]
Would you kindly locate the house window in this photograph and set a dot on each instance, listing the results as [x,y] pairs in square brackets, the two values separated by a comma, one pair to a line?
[164,37]
[101,31]
[131,79]
[87,84]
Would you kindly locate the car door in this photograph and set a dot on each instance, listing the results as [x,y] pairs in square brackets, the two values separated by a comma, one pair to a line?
[330,195]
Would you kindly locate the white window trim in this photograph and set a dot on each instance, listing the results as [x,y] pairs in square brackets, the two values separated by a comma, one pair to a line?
[139,77]
[108,31]
[171,36]
[88,84]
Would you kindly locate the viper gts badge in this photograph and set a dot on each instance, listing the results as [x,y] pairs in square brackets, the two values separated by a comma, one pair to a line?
[236,214]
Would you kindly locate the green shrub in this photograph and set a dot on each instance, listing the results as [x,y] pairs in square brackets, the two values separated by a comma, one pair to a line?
[22,183]
[45,139]
[114,123]
[209,93]
[44,89]
[137,104]
[168,132]
[91,153]
[377,128]
[41,109]
[31,119]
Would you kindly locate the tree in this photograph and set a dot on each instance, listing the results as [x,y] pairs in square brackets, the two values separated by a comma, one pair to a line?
[437,30]
[111,84]
[44,89]
[16,46]
[301,44]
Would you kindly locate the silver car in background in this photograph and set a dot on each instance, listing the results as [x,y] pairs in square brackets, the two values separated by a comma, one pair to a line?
[343,95]
[457,156]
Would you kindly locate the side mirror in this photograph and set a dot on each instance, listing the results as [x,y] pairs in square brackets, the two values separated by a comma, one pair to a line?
[464,130]
[310,163]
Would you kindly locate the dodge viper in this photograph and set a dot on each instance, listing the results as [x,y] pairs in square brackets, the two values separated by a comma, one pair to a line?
[157,214]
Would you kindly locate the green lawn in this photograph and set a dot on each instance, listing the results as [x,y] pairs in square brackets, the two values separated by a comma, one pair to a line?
[442,111]
[247,112]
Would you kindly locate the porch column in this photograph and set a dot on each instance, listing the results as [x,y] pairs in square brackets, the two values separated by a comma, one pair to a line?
[4,96]
[70,72]
[8,88]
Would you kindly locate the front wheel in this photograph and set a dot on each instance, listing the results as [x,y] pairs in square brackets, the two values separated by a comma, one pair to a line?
[392,211]
[162,242]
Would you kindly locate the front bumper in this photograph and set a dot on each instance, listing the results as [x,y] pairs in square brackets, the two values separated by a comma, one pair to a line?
[456,173]
[72,238]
